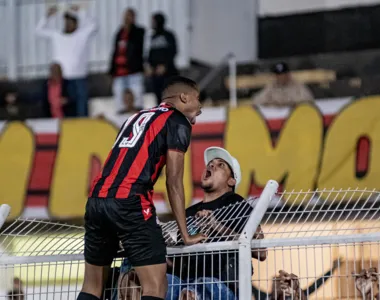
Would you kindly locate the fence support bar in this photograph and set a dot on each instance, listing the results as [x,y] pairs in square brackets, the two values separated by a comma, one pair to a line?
[11,39]
[5,209]
[232,80]
[245,253]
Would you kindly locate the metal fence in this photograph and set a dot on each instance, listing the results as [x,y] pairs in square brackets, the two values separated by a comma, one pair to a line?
[25,55]
[310,245]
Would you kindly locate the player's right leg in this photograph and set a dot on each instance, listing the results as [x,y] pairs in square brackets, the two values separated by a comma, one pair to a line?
[101,245]
[144,245]
[153,281]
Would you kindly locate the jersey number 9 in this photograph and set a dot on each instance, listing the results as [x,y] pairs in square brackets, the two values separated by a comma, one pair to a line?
[138,128]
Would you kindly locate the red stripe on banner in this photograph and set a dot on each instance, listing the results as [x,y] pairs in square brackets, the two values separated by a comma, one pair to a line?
[327,119]
[142,156]
[108,182]
[363,154]
[41,175]
[198,193]
[209,128]
[37,201]
[47,138]
[275,124]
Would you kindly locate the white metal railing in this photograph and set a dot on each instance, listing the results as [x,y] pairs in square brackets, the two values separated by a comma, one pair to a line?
[322,244]
[4,212]
[24,55]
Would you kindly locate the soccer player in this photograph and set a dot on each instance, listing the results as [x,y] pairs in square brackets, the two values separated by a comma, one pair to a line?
[120,205]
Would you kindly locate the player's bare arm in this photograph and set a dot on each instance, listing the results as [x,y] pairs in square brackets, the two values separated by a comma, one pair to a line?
[174,184]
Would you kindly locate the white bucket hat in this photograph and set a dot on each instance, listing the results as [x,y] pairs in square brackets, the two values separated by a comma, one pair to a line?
[217,152]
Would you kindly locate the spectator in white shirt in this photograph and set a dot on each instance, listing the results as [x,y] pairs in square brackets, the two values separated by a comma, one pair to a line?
[70,50]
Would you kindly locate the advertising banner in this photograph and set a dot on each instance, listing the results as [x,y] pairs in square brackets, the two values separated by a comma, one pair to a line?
[47,166]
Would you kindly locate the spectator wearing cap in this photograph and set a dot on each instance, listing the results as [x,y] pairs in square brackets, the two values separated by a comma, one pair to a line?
[188,275]
[70,51]
[126,64]
[284,90]
[163,49]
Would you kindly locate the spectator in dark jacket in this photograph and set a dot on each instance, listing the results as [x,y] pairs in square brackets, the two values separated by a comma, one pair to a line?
[56,100]
[163,49]
[126,66]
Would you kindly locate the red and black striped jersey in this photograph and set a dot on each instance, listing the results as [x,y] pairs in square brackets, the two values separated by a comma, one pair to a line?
[139,153]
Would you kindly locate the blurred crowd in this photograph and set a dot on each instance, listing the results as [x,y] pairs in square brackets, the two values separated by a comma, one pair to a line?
[65,92]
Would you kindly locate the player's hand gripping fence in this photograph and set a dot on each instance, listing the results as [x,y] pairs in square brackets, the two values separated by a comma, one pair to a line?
[321,245]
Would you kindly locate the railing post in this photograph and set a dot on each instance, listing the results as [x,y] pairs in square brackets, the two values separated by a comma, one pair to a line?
[4,213]
[245,253]
[232,80]
[11,42]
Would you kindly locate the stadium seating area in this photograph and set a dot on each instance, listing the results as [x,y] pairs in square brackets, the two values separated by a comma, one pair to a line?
[328,76]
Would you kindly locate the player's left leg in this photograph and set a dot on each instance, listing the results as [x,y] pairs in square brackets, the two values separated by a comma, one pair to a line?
[145,247]
[94,277]
[100,248]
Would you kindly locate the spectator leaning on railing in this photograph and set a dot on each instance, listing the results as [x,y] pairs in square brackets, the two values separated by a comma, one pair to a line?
[284,90]
[215,275]
[70,50]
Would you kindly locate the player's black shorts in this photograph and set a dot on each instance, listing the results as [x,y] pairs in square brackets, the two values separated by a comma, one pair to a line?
[108,221]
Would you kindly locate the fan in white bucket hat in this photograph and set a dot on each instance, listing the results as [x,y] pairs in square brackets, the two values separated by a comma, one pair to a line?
[217,152]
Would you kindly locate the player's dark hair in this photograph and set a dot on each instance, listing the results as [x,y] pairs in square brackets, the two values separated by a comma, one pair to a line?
[179,80]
